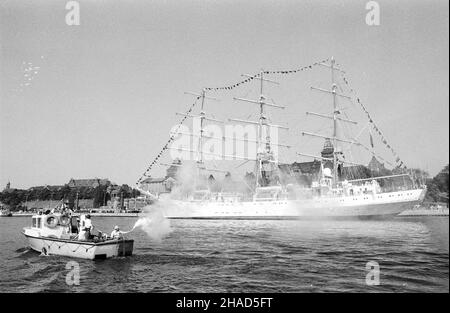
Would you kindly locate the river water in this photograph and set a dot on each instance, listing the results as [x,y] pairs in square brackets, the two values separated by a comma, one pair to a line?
[245,256]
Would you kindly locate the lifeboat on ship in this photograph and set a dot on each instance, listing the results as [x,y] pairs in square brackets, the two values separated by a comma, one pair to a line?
[57,234]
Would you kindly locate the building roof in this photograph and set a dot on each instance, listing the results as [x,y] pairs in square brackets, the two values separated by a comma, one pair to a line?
[88,182]
[172,170]
[302,168]
[152,180]
[56,187]
[375,165]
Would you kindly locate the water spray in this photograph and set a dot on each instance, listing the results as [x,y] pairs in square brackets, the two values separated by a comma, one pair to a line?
[153,223]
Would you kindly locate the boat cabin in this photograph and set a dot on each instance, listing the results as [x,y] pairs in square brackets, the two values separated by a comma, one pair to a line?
[54,225]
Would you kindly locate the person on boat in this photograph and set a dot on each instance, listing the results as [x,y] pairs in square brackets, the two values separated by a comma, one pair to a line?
[81,232]
[64,206]
[65,209]
[74,224]
[116,233]
[85,228]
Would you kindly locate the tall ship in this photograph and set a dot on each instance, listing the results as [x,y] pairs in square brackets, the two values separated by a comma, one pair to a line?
[272,190]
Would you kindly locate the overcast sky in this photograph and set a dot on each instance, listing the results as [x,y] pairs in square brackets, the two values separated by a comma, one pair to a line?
[103,99]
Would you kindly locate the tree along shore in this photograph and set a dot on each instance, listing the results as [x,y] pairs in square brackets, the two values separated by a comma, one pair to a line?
[14,199]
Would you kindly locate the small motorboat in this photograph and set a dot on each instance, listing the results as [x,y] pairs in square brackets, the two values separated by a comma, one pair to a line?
[57,234]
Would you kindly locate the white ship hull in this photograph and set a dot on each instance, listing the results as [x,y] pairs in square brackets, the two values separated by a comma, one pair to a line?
[364,205]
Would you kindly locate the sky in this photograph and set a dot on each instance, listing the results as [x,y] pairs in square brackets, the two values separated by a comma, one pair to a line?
[104,93]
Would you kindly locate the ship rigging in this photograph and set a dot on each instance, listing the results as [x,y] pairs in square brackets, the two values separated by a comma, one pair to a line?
[330,195]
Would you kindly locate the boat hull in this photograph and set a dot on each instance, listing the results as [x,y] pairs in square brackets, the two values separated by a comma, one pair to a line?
[386,204]
[80,249]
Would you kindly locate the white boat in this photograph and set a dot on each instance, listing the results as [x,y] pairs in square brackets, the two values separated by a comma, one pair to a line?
[55,234]
[328,195]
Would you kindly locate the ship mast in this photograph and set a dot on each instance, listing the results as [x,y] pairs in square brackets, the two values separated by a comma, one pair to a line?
[260,130]
[263,153]
[335,117]
[203,117]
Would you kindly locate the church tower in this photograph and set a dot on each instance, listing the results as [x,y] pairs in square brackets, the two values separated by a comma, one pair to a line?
[327,152]
[8,187]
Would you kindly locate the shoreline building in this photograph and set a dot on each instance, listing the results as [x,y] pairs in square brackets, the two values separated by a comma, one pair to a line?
[165,184]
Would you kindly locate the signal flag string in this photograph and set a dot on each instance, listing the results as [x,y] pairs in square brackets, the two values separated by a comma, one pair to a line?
[166,146]
[255,76]
[399,163]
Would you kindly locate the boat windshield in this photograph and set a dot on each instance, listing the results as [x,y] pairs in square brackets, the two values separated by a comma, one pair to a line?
[36,222]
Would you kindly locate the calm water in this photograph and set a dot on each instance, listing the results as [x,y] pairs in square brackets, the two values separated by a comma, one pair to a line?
[245,256]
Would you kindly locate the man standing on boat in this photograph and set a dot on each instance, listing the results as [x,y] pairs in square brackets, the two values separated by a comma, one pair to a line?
[116,233]
[86,227]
